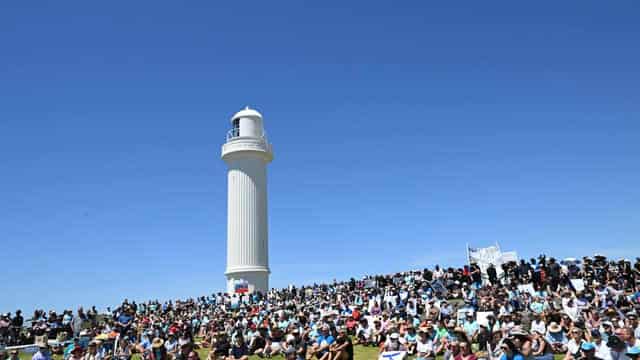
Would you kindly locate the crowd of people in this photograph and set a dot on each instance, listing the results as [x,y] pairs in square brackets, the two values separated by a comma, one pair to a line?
[535,310]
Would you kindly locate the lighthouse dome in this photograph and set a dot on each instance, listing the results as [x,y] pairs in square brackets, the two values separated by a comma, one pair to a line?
[246,113]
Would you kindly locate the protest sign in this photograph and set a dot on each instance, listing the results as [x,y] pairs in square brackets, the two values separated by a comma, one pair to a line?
[578,284]
[393,355]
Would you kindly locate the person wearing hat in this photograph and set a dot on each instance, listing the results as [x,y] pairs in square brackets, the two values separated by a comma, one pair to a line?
[556,338]
[607,330]
[77,353]
[424,344]
[14,355]
[633,353]
[595,338]
[158,351]
[631,321]
[521,340]
[92,351]
[588,351]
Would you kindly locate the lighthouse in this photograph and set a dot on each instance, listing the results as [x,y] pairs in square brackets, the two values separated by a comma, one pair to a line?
[247,153]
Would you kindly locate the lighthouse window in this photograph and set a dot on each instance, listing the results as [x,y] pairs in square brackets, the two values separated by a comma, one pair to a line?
[236,127]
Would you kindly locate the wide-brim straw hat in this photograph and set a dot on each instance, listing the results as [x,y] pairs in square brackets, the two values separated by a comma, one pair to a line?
[554,327]
[157,343]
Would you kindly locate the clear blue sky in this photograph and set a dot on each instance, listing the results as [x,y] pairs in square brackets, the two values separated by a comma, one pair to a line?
[401,132]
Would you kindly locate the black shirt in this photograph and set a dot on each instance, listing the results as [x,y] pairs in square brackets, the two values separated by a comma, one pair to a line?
[349,348]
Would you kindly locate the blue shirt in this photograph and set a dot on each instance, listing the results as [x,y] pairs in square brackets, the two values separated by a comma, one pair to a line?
[41,356]
[329,339]
[470,327]
[124,319]
[515,356]
[410,338]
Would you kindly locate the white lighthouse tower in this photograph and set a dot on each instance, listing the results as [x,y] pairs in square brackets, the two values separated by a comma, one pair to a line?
[247,153]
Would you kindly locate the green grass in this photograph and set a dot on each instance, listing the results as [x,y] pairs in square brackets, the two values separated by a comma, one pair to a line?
[360,353]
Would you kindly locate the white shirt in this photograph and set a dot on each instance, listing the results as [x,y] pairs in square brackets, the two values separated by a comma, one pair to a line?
[602,350]
[573,346]
[424,347]
[538,326]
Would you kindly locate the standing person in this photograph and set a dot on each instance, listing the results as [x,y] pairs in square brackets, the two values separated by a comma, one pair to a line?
[476,275]
[43,349]
[16,325]
[492,274]
[78,322]
[124,321]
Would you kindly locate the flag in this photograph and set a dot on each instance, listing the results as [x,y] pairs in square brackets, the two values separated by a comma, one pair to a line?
[241,287]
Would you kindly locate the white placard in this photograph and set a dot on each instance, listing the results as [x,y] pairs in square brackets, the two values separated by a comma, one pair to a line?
[393,355]
[527,288]
[578,284]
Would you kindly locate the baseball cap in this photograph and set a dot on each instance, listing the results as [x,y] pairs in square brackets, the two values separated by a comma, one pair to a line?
[587,346]
[634,351]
